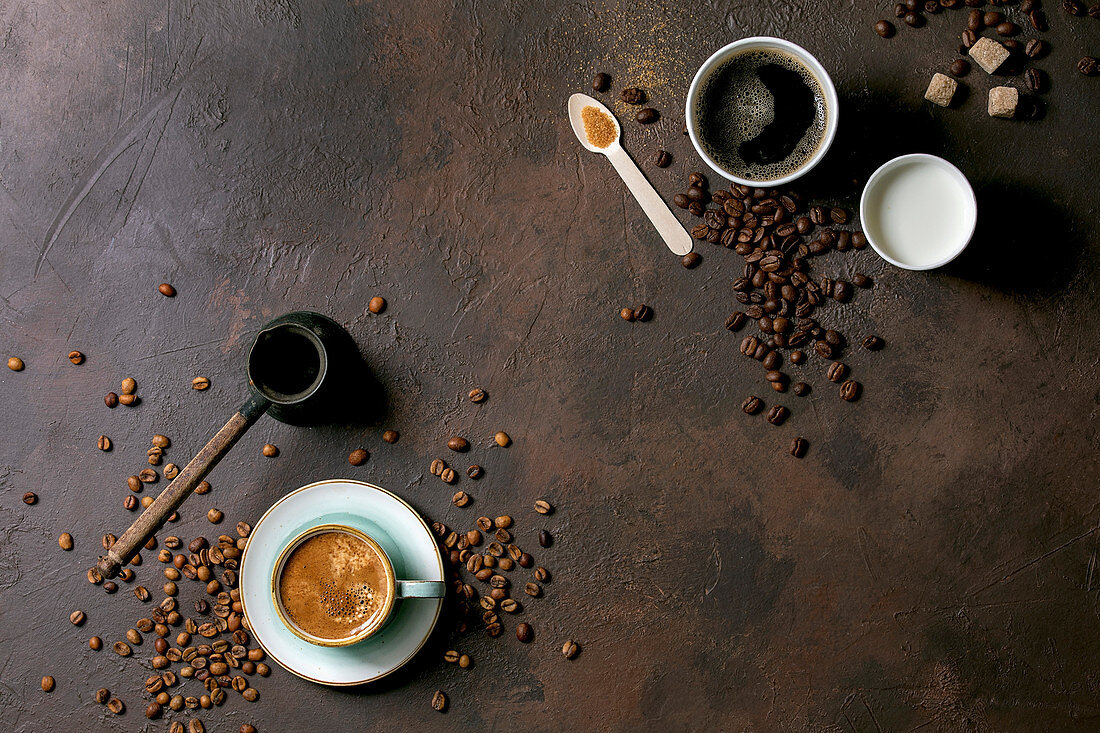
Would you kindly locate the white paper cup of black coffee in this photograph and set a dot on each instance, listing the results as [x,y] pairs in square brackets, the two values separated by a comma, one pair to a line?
[762,111]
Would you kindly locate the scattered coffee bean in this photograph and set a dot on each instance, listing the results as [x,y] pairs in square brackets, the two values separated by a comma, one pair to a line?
[358,457]
[460,499]
[913,20]
[801,389]
[632,95]
[30,498]
[458,444]
[200,383]
[600,82]
[116,706]
[122,648]
[270,451]
[543,507]
[148,476]
[436,467]
[65,541]
[166,290]
[127,400]
[103,443]
[439,701]
[836,371]
[474,471]
[642,312]
[1073,7]
[627,314]
[850,390]
[377,304]
[525,633]
[777,414]
[752,405]
[662,159]
[647,116]
[76,357]
[533,589]
[502,439]
[390,436]
[545,540]
[76,618]
[959,67]
[799,446]
[570,649]
[214,516]
[448,475]
[873,343]
[1035,48]
[691,260]
[171,471]
[884,28]
[1088,66]
[95,643]
[15,364]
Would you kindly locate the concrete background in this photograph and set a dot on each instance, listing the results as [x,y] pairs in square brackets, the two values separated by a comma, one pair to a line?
[929,565]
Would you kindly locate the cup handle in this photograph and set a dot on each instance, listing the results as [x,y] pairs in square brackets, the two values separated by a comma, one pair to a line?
[421,589]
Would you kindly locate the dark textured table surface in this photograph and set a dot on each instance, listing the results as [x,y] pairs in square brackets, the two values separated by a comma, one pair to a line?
[930,564]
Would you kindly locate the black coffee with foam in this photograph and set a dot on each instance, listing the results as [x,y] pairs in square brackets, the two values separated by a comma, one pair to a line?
[761,114]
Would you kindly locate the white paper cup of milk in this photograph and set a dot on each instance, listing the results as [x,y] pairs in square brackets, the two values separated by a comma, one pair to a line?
[918,211]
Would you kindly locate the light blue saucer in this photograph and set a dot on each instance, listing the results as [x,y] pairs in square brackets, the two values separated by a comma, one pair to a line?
[408,543]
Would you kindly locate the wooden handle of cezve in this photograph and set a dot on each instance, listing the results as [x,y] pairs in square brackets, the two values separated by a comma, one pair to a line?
[152,519]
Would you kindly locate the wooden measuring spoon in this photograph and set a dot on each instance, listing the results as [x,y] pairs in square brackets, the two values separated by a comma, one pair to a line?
[675,236]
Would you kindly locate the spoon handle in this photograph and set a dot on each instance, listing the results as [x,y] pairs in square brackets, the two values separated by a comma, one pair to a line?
[675,236]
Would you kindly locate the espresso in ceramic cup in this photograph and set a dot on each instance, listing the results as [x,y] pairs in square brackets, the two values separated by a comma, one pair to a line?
[333,585]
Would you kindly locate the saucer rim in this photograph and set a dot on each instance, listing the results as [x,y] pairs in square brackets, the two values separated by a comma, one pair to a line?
[429,627]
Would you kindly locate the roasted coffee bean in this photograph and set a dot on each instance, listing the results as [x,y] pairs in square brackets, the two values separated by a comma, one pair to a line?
[801,389]
[1073,7]
[116,706]
[836,371]
[542,575]
[358,457]
[884,28]
[969,38]
[1093,11]
[545,540]
[642,312]
[1007,28]
[823,349]
[122,648]
[681,200]
[913,20]
[752,405]
[1035,48]
[850,390]
[147,476]
[691,260]
[570,649]
[632,95]
[269,450]
[777,414]
[799,446]
[439,700]
[600,82]
[460,498]
[959,67]
[200,383]
[203,487]
[697,179]
[543,507]
[873,343]
[1088,66]
[214,516]
[662,159]
[533,589]
[1035,80]
[458,444]
[524,633]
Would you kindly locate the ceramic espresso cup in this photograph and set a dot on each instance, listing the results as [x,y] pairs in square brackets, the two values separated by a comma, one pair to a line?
[334,585]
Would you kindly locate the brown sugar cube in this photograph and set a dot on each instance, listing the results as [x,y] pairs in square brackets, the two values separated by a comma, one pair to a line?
[988,54]
[1003,101]
[941,90]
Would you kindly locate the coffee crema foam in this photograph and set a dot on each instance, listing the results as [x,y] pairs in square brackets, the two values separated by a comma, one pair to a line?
[734,108]
[333,585]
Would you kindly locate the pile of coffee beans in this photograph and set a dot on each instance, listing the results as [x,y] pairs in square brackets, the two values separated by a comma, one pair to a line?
[488,570]
[211,645]
[780,236]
